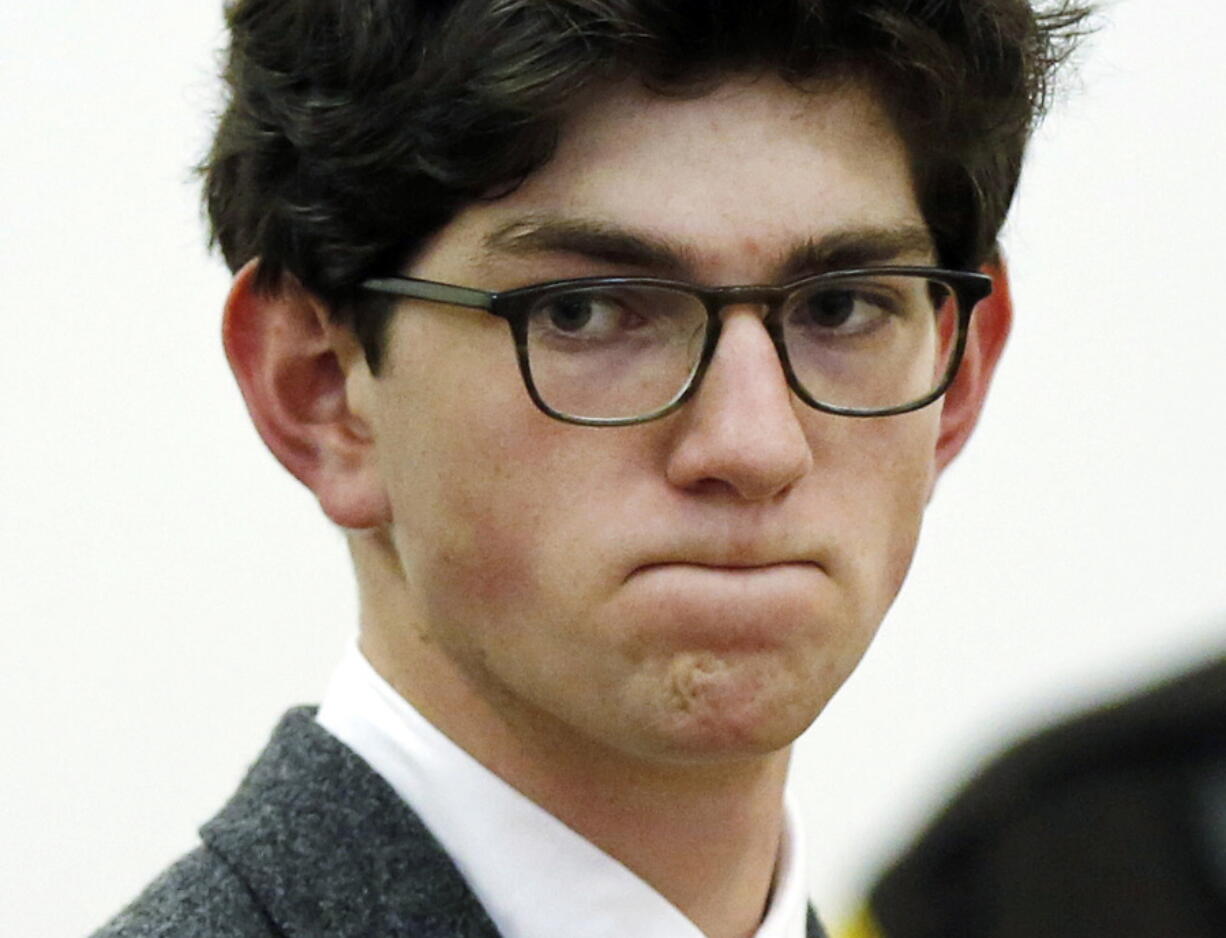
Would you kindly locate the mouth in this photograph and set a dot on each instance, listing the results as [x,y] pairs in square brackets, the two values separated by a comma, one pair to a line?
[727,607]
[733,568]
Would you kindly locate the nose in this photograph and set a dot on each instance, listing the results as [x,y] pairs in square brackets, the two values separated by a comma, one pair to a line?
[740,432]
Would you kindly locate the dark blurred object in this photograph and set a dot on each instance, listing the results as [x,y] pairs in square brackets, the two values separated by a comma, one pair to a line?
[1111,825]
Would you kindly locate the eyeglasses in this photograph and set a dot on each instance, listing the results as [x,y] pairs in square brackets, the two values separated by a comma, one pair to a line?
[612,351]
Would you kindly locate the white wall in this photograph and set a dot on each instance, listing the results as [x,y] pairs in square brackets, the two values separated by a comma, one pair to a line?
[166,591]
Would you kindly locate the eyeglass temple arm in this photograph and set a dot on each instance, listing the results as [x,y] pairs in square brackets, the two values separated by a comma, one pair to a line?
[430,290]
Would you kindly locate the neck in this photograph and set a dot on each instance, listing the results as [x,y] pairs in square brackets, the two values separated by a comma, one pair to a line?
[705,835]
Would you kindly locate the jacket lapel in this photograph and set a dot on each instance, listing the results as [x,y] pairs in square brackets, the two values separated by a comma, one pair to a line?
[328,848]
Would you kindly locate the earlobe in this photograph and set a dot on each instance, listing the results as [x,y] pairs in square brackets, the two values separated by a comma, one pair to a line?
[291,365]
[963,402]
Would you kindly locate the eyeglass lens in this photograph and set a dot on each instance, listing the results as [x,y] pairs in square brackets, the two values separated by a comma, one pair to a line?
[870,342]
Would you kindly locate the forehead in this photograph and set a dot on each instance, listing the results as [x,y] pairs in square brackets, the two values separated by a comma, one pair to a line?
[734,179]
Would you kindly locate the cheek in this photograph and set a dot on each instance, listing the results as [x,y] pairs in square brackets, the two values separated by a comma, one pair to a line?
[479,556]
[469,540]
[454,452]
[495,530]
[889,479]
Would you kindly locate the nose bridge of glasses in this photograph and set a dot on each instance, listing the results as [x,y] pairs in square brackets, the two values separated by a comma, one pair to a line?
[759,302]
[763,298]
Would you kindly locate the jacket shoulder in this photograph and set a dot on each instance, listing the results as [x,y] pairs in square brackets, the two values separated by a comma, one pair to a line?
[314,842]
[197,897]
[1104,824]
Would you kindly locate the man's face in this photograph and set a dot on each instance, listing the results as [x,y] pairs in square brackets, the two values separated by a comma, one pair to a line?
[697,587]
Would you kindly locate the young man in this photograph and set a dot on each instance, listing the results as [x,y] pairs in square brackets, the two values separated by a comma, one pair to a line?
[626,341]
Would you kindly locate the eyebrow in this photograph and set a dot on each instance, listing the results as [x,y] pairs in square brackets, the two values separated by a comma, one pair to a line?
[620,247]
[858,247]
[595,240]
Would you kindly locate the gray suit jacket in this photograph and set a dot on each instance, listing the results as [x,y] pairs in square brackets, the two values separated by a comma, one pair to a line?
[313,843]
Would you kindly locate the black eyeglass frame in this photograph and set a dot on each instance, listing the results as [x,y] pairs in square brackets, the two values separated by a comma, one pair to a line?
[968,287]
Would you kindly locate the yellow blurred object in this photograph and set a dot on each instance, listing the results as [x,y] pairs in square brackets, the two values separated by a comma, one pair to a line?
[863,925]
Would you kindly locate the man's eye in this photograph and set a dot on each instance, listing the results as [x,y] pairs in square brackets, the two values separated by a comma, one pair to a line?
[830,310]
[577,312]
[587,315]
[845,310]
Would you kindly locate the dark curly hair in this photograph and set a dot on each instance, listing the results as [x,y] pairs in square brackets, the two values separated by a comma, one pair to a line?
[354,129]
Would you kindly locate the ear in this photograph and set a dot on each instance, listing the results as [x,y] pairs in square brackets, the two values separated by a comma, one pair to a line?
[989,328]
[293,367]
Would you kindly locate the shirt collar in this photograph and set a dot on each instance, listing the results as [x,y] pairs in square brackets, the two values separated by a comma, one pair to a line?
[533,875]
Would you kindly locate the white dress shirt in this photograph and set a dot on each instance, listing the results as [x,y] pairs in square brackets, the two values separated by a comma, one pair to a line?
[536,877]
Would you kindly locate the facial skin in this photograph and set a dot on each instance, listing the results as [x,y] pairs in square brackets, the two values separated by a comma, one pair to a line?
[630,625]
[683,593]
[689,590]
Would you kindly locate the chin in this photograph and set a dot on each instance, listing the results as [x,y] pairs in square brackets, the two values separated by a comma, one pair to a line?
[716,707]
